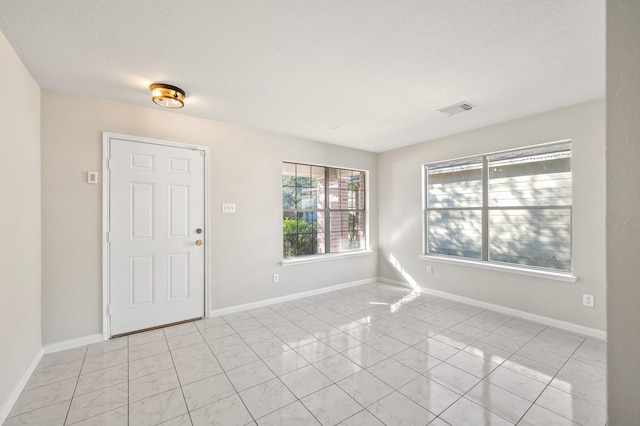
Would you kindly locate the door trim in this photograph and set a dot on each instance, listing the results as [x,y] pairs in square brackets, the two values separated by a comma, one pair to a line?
[106,138]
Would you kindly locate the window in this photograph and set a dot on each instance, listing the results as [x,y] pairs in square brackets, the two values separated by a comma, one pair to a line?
[323,210]
[512,207]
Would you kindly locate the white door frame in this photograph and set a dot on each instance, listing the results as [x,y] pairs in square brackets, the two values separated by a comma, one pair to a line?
[106,137]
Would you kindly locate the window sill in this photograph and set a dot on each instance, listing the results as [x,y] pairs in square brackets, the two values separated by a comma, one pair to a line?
[558,276]
[323,257]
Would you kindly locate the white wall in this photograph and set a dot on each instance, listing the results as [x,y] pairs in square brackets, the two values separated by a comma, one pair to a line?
[246,169]
[19,220]
[400,216]
[623,205]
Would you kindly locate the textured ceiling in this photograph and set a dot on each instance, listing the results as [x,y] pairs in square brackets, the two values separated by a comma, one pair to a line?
[368,74]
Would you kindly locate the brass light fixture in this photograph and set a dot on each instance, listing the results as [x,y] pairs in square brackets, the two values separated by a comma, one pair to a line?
[167,96]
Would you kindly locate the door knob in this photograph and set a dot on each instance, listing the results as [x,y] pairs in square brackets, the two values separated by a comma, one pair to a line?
[199,231]
[198,242]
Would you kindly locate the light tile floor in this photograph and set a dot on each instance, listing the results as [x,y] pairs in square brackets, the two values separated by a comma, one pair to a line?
[369,355]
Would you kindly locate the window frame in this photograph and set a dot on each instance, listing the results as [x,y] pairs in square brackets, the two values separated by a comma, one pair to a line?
[327,210]
[484,262]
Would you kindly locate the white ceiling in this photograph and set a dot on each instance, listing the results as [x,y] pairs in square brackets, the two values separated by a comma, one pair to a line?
[368,74]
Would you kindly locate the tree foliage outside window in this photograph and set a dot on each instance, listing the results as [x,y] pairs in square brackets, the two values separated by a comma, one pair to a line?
[512,207]
[299,237]
[324,210]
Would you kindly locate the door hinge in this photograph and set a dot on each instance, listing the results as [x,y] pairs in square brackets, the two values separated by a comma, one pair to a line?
[109,163]
[109,310]
[108,236]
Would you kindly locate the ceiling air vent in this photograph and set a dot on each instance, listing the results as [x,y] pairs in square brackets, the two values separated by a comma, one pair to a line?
[457,108]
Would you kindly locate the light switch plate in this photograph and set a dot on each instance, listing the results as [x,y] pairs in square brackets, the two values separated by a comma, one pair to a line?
[92,177]
[228,208]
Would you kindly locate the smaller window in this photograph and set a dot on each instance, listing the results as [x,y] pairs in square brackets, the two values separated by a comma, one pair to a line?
[323,210]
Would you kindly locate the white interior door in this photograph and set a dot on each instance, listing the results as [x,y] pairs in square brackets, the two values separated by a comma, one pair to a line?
[156,223]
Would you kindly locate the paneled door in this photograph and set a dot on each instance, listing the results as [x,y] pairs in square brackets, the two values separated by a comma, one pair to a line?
[156,235]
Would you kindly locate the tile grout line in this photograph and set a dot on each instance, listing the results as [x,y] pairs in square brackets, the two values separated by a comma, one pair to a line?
[277,377]
[483,379]
[260,358]
[285,385]
[175,369]
[549,385]
[41,386]
[491,331]
[66,417]
[225,371]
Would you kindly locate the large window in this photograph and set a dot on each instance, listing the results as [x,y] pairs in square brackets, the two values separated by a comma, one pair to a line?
[512,207]
[323,210]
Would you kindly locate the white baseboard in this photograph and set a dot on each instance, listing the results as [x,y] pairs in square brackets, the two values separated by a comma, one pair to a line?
[47,349]
[73,343]
[13,397]
[574,328]
[288,298]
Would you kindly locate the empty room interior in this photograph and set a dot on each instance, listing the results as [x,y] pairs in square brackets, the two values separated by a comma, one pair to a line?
[320,213]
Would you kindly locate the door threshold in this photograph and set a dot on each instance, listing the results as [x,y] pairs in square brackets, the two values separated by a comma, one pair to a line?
[157,327]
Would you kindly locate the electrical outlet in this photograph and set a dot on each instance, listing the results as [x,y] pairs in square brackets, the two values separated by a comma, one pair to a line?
[276,278]
[429,269]
[588,300]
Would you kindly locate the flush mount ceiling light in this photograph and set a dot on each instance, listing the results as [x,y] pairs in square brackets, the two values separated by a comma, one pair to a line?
[167,96]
